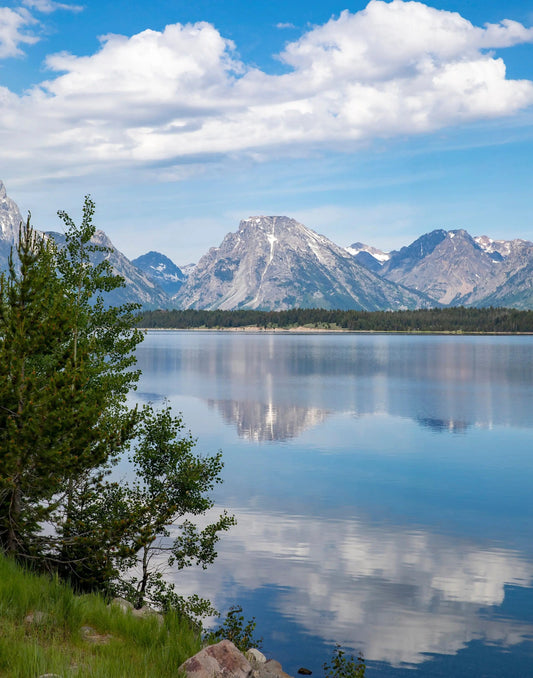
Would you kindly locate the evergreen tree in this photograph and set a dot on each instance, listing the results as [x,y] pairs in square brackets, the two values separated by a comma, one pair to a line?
[67,365]
[38,379]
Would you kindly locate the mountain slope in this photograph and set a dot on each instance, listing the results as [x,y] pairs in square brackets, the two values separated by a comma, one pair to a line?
[445,265]
[161,270]
[367,256]
[139,288]
[277,263]
[10,219]
[511,280]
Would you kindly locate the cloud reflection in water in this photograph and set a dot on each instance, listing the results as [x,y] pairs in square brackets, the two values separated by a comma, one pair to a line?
[396,593]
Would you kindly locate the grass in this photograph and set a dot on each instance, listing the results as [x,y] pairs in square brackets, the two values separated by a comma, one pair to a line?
[54,642]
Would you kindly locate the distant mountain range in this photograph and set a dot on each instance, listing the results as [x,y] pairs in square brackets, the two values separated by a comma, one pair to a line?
[274,262]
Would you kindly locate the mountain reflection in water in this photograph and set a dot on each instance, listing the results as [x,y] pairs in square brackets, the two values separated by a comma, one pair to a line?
[382,487]
[274,386]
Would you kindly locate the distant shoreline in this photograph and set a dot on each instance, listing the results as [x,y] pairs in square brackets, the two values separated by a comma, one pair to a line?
[251,329]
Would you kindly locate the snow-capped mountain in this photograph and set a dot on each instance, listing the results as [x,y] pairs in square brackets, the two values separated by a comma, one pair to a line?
[445,265]
[453,268]
[10,217]
[278,263]
[139,288]
[275,262]
[161,271]
[10,220]
[368,256]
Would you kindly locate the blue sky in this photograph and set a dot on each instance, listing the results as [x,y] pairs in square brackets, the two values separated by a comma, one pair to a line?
[372,121]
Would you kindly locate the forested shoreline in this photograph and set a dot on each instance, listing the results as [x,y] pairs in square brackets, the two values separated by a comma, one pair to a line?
[457,319]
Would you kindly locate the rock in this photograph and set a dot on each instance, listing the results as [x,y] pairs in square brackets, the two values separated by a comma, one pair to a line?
[218,661]
[254,656]
[272,669]
[304,672]
[36,617]
[92,636]
[122,603]
[146,612]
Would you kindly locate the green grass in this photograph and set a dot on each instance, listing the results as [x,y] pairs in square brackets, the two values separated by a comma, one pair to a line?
[53,642]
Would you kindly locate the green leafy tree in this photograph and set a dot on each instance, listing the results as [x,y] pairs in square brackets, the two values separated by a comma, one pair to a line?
[171,486]
[235,628]
[342,665]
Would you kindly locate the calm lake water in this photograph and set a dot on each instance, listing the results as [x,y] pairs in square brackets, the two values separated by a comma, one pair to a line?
[383,487]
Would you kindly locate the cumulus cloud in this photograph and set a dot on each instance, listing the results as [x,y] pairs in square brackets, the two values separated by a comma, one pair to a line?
[13,31]
[161,97]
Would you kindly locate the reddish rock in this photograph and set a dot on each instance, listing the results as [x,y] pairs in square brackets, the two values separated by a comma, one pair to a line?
[222,660]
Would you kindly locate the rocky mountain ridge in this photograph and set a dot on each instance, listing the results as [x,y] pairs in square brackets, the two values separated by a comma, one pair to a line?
[455,269]
[274,262]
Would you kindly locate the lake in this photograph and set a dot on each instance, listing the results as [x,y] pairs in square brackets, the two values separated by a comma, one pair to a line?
[383,488]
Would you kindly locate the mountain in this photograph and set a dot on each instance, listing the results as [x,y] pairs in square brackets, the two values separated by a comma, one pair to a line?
[445,265]
[277,263]
[453,268]
[10,219]
[161,271]
[511,280]
[139,288]
[367,256]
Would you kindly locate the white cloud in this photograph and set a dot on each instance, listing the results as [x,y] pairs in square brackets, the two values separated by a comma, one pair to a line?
[49,6]
[161,97]
[13,23]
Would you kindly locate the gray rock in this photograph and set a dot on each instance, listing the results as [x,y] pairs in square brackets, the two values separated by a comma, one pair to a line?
[253,655]
[222,660]
[146,612]
[36,617]
[272,669]
[91,635]
[121,603]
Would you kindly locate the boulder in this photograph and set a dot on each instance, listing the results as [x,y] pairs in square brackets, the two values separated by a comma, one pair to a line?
[254,656]
[222,660]
[122,603]
[271,669]
[146,612]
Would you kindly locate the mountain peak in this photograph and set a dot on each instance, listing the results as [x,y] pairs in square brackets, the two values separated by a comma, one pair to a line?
[275,262]
[161,270]
[10,217]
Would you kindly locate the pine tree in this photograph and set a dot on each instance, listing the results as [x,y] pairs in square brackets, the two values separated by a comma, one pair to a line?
[38,377]
[66,366]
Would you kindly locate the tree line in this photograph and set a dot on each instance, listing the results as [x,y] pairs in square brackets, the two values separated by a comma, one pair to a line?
[67,365]
[454,319]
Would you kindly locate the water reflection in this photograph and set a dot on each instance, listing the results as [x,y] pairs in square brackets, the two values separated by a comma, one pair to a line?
[394,592]
[399,539]
[266,421]
[275,387]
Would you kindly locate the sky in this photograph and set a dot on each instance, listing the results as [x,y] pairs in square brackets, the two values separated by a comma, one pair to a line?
[373,122]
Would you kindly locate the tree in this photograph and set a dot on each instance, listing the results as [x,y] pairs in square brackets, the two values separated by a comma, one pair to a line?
[34,446]
[67,364]
[171,484]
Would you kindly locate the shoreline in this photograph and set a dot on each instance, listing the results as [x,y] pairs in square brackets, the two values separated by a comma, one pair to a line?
[255,329]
